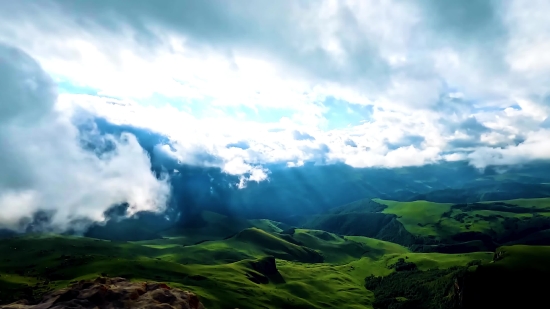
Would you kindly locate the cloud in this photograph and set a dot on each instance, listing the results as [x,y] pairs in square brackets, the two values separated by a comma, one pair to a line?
[535,147]
[351,143]
[45,169]
[473,127]
[385,142]
[302,136]
[407,140]
[409,83]
[240,144]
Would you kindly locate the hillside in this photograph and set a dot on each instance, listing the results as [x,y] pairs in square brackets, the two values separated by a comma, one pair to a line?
[441,227]
[295,193]
[516,279]
[235,271]
[336,260]
[203,226]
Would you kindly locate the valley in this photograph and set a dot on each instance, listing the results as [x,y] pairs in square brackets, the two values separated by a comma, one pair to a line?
[331,260]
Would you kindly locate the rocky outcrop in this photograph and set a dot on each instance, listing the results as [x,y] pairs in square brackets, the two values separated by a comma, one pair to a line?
[103,293]
[265,271]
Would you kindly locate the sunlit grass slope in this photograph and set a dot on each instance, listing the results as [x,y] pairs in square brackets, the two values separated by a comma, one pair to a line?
[220,270]
[418,217]
[344,249]
[501,220]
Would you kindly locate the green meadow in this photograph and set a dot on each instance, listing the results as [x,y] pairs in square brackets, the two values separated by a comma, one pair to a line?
[237,263]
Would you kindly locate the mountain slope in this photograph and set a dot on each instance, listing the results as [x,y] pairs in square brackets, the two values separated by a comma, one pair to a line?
[32,265]
[440,227]
[516,279]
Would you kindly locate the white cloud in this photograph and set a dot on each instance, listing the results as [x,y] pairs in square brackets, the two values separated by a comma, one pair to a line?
[45,168]
[424,68]
[535,147]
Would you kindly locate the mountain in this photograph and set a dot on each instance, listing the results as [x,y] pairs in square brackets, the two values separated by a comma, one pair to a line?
[443,236]
[291,194]
[447,259]
[441,227]
[237,272]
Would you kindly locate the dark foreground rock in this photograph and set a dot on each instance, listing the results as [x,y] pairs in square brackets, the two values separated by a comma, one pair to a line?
[265,271]
[103,293]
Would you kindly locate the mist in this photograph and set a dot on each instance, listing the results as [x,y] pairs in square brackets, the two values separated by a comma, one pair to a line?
[49,179]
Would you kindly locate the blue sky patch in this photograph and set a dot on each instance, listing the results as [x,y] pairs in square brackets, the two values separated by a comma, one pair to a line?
[341,114]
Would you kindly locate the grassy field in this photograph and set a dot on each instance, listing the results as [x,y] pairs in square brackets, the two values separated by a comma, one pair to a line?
[418,217]
[540,204]
[319,269]
[444,220]
[225,260]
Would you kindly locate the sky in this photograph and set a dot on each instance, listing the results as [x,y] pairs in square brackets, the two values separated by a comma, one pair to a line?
[244,83]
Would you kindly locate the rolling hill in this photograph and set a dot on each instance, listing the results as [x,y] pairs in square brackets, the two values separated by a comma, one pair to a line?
[370,253]
[441,227]
[313,269]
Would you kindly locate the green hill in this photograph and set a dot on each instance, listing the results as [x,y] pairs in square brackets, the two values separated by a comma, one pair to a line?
[363,218]
[270,244]
[441,227]
[370,253]
[516,279]
[209,226]
[312,269]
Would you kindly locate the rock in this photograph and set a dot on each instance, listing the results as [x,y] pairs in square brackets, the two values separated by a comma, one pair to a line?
[266,266]
[103,293]
[265,271]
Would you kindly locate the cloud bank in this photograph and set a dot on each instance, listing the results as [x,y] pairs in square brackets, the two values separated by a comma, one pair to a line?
[46,170]
[243,84]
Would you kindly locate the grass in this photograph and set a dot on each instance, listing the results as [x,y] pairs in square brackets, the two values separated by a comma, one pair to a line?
[225,283]
[216,258]
[540,204]
[345,249]
[384,246]
[517,279]
[269,225]
[443,221]
[524,258]
[218,270]
[379,267]
[209,226]
[214,227]
[417,217]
